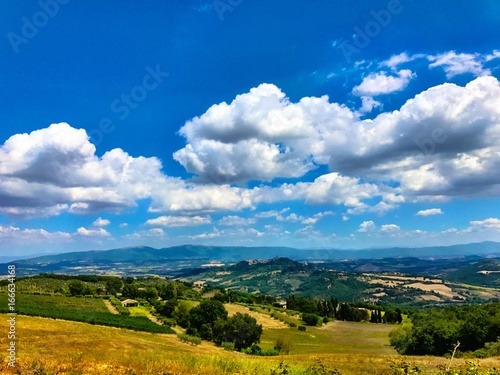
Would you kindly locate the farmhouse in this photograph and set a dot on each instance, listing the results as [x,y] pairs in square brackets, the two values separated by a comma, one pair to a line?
[130,302]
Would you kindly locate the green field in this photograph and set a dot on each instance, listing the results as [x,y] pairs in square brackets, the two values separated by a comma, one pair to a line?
[334,337]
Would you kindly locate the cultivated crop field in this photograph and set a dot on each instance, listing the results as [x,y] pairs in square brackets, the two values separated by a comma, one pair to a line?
[89,310]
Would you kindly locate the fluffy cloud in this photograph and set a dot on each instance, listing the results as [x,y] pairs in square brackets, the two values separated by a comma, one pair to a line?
[331,189]
[146,234]
[187,198]
[93,233]
[381,83]
[240,235]
[366,227]
[370,229]
[316,217]
[396,60]
[429,212]
[232,220]
[11,233]
[261,135]
[272,213]
[456,64]
[100,222]
[368,104]
[487,224]
[494,55]
[179,221]
[444,142]
[439,144]
[55,169]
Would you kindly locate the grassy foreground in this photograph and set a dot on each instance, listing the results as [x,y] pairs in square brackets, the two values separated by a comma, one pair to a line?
[50,346]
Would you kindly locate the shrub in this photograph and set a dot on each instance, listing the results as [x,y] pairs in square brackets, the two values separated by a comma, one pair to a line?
[284,345]
[493,348]
[311,319]
[189,339]
[257,350]
[228,346]
[302,328]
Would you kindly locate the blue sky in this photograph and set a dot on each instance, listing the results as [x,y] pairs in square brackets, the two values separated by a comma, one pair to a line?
[236,122]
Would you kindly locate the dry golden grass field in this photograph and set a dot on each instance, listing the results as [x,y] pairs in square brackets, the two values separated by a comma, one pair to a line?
[50,346]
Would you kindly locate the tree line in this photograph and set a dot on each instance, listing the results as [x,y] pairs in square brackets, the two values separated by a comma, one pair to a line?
[312,309]
[437,331]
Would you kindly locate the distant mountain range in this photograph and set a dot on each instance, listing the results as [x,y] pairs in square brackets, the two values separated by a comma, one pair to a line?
[235,253]
[175,260]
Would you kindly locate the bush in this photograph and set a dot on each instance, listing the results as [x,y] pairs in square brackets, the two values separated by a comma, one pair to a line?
[228,346]
[292,325]
[302,328]
[284,345]
[189,339]
[311,319]
[257,350]
[493,348]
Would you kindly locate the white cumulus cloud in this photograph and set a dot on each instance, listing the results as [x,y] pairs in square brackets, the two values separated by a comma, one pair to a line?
[430,211]
[100,222]
[179,221]
[95,233]
[382,83]
[459,63]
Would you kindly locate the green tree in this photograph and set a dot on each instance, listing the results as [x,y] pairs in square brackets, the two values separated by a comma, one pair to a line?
[76,287]
[130,291]
[167,309]
[207,312]
[181,313]
[400,337]
[88,290]
[311,319]
[169,291]
[114,285]
[150,294]
[242,329]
